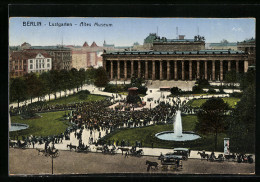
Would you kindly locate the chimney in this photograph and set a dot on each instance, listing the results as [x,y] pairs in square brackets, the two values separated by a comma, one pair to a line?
[181,37]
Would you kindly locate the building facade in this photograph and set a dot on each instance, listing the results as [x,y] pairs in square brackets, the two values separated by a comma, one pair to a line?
[170,59]
[26,61]
[248,46]
[61,56]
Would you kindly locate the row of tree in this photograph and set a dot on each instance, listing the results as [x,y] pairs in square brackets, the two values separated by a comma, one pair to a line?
[239,124]
[34,85]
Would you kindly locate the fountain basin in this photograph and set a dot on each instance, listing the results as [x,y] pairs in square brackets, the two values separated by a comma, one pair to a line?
[18,126]
[171,136]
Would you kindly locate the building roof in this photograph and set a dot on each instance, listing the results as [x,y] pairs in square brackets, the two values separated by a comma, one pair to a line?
[85,44]
[50,47]
[108,45]
[28,54]
[173,40]
[175,52]
[221,44]
[94,44]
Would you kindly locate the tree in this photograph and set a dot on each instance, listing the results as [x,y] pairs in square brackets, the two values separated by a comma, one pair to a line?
[231,77]
[101,77]
[247,79]
[90,75]
[65,81]
[18,90]
[211,117]
[242,122]
[82,77]
[35,86]
[47,82]
[55,82]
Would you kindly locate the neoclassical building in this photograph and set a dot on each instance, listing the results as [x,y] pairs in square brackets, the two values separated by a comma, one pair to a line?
[175,59]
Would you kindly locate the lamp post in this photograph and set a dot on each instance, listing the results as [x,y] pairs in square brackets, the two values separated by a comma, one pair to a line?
[52,155]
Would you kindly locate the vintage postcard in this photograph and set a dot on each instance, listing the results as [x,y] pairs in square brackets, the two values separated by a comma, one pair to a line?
[96,95]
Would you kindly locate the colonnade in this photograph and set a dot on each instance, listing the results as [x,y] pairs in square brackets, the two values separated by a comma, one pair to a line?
[173,69]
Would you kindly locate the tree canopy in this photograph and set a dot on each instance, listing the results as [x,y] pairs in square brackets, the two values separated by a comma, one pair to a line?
[211,117]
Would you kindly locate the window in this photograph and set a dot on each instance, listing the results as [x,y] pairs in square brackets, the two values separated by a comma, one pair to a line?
[48,60]
[48,65]
[42,65]
[36,61]
[36,66]
[31,61]
[31,66]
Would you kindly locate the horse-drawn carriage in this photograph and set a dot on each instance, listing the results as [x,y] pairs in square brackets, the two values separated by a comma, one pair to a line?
[49,152]
[83,148]
[136,153]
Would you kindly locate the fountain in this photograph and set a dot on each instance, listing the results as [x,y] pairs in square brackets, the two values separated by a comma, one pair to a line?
[16,126]
[177,134]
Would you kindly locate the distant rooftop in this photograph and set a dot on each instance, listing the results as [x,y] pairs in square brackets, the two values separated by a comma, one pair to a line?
[175,52]
[49,47]
[223,44]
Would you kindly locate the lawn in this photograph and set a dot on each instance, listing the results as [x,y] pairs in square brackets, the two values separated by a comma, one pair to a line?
[75,99]
[146,135]
[198,102]
[51,123]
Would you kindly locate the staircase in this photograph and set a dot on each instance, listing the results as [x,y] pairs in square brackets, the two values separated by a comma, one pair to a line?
[183,85]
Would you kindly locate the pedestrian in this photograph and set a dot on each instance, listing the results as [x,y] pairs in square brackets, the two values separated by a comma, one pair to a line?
[126,154]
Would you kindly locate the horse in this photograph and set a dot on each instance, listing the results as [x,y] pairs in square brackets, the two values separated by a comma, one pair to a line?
[123,149]
[72,146]
[151,164]
[203,155]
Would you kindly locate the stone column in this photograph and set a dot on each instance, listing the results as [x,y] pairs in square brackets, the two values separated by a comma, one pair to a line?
[153,73]
[206,70]
[198,69]
[182,71]
[168,70]
[190,70]
[245,66]
[132,68]
[125,70]
[146,70]
[161,71]
[112,71]
[213,70]
[118,70]
[139,69]
[221,70]
[175,70]
[229,65]
[237,66]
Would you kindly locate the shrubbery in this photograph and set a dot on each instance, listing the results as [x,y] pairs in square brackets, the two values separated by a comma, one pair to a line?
[197,90]
[212,91]
[175,91]
[83,94]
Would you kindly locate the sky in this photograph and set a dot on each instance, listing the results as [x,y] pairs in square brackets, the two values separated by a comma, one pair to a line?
[125,31]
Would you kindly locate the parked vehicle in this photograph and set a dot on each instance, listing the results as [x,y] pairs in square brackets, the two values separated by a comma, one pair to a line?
[245,158]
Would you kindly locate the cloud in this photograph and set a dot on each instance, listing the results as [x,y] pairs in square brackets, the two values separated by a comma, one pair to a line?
[238,29]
